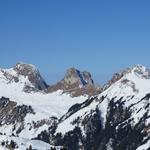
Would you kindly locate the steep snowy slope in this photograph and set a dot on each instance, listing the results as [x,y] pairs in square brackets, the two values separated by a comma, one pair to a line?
[26,109]
[118,118]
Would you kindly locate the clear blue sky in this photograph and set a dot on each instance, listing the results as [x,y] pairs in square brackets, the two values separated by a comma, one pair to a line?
[95,35]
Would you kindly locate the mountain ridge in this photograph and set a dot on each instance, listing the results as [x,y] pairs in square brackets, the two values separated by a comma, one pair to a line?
[106,120]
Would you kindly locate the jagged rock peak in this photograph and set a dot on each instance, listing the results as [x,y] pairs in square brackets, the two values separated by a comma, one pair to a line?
[141,71]
[23,68]
[76,83]
[74,76]
[32,73]
[138,70]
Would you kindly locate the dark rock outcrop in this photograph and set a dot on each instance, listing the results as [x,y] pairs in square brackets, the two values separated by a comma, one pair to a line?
[11,113]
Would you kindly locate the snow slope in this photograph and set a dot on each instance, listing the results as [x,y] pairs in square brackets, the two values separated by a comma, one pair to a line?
[131,88]
[45,105]
[23,144]
[52,104]
[135,83]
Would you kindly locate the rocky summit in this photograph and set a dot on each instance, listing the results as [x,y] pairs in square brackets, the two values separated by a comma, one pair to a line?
[32,73]
[76,83]
[74,114]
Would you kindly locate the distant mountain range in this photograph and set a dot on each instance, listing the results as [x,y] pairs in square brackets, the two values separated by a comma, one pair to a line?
[74,114]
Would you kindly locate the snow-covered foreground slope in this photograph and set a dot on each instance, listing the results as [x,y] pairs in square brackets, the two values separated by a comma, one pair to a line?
[121,114]
[131,89]
[53,104]
[44,105]
[23,144]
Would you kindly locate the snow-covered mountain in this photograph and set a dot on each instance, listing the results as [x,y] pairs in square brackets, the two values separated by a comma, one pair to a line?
[24,76]
[115,118]
[26,109]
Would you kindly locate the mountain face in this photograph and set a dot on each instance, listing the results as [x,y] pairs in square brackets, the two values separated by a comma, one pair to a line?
[121,113]
[116,117]
[26,108]
[32,73]
[139,70]
[76,83]
[26,75]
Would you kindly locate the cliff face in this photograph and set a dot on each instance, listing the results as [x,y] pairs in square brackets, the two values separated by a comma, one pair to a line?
[32,73]
[76,83]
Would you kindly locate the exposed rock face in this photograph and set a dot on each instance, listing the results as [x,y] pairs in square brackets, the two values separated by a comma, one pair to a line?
[76,83]
[26,76]
[11,113]
[14,116]
[74,76]
[32,73]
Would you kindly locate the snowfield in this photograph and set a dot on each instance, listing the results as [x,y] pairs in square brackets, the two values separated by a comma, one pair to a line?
[44,105]
[23,143]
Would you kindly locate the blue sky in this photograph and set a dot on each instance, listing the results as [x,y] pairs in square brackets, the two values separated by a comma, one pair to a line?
[99,36]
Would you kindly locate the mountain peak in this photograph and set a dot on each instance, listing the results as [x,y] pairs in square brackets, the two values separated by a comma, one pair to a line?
[32,73]
[21,67]
[138,70]
[76,83]
[74,76]
[141,71]
[26,74]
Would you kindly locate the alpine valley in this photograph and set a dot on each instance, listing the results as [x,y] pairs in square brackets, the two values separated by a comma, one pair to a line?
[75,113]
